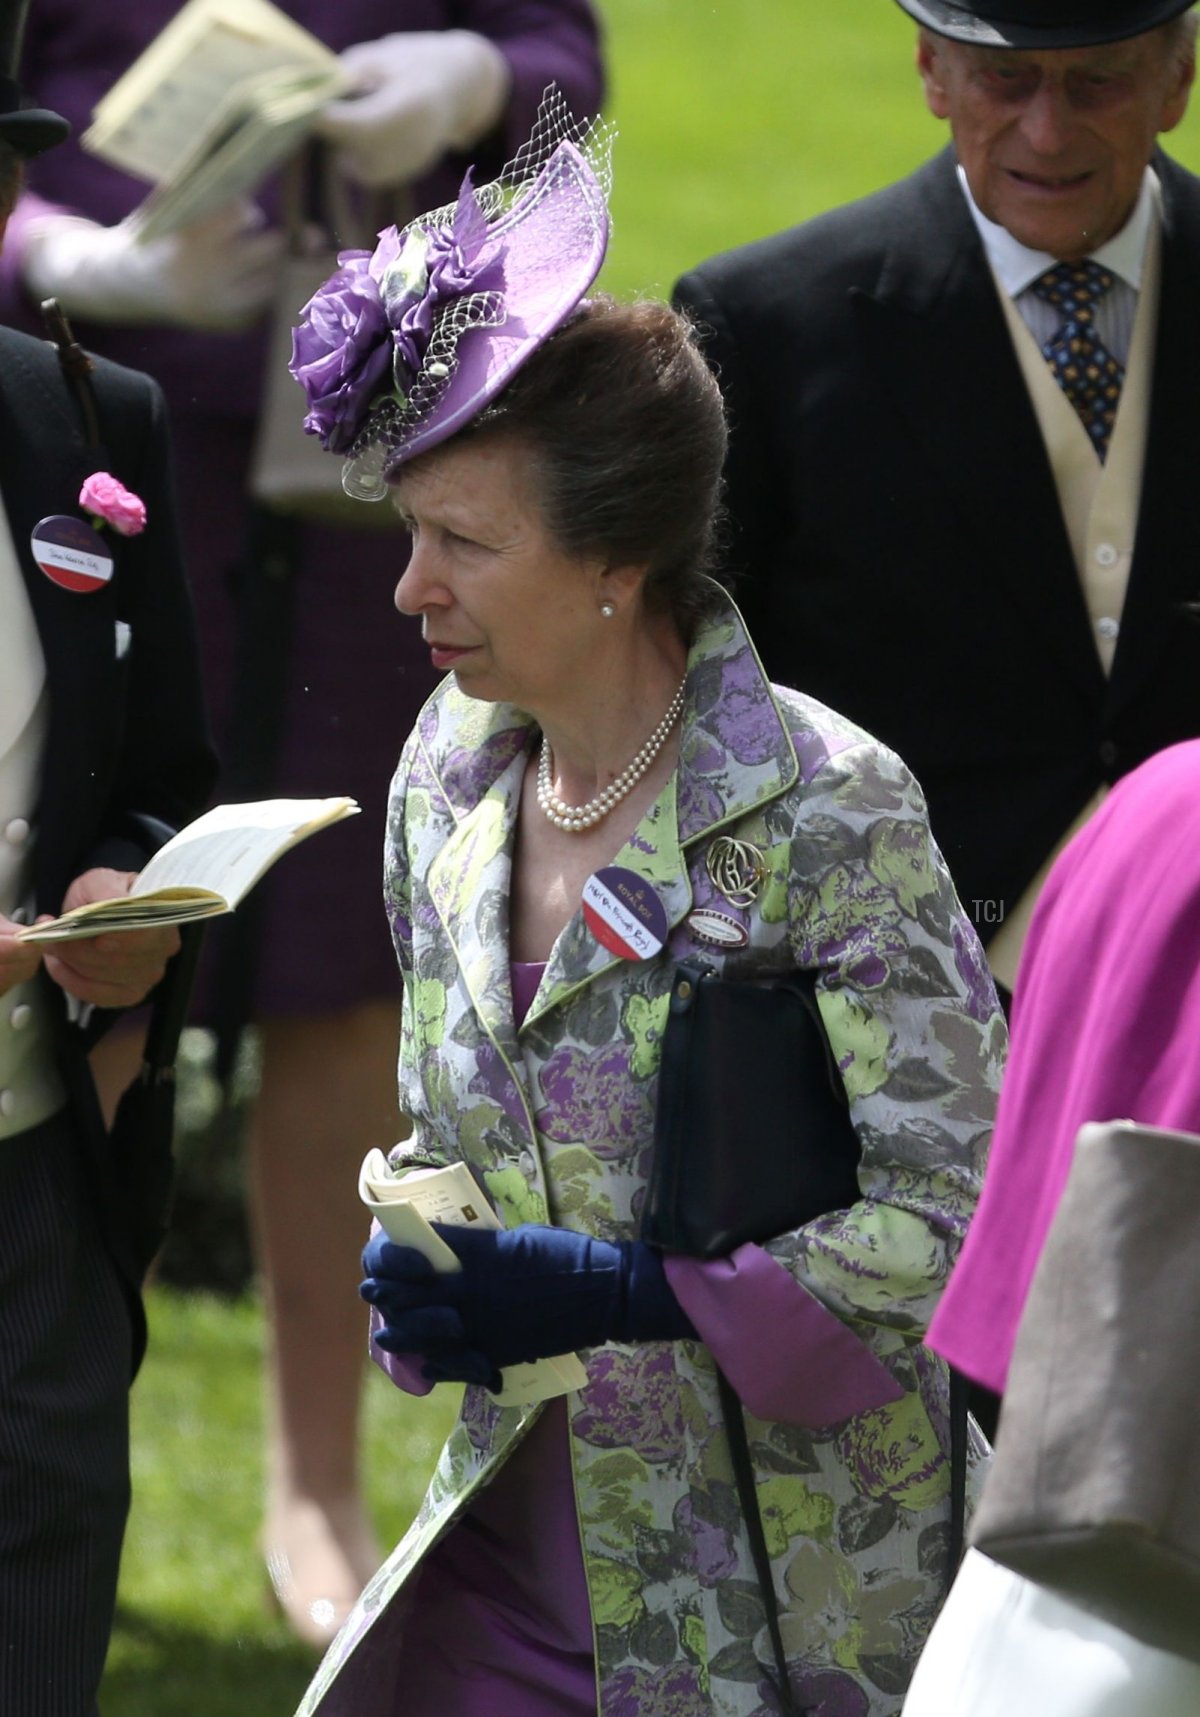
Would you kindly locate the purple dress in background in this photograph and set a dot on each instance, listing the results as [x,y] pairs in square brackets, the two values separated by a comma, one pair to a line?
[497,1621]
[358,672]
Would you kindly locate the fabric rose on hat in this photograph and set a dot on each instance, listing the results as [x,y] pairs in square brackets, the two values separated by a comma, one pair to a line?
[429,271]
[365,333]
[111,503]
[341,351]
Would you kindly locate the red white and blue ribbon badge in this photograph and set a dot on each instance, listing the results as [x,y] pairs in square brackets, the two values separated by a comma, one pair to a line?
[624,914]
[71,554]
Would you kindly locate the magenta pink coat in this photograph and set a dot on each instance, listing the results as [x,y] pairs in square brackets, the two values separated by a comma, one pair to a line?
[1106,1026]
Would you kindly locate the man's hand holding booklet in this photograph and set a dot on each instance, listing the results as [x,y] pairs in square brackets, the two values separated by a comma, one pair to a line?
[202,871]
[219,99]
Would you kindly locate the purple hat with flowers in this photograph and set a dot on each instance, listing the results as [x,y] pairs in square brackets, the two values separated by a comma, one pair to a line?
[405,344]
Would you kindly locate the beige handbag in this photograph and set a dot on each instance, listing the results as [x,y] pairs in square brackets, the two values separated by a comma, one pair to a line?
[1094,1490]
[290,472]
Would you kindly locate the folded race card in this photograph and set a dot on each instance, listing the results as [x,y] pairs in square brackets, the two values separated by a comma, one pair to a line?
[405,1201]
[202,871]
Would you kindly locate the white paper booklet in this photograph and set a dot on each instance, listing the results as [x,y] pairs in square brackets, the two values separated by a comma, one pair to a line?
[220,97]
[405,1202]
[202,871]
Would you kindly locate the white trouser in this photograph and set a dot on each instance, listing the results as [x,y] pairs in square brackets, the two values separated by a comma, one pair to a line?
[1004,1647]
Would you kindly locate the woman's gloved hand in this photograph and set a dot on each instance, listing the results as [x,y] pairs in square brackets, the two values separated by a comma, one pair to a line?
[522,1294]
[218,274]
[417,95]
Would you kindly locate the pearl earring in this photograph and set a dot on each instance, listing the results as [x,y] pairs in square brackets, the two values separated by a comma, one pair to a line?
[608,609]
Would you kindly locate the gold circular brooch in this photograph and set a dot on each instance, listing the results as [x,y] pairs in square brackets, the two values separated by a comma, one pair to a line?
[736,869]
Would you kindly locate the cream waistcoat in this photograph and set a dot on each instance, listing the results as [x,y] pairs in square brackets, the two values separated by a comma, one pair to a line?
[30,1089]
[1100,505]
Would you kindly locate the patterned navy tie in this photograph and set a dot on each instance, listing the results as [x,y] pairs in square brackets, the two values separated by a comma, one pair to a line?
[1088,374]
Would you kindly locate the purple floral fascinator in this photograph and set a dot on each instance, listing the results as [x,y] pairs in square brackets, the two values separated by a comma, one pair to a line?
[405,344]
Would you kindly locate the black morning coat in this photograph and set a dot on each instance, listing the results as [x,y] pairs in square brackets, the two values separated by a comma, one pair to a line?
[128,758]
[898,530]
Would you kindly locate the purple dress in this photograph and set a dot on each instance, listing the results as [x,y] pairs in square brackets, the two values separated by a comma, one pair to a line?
[498,1622]
[358,673]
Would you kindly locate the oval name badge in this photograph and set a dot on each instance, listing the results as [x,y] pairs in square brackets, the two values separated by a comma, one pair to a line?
[718,929]
[624,914]
[71,554]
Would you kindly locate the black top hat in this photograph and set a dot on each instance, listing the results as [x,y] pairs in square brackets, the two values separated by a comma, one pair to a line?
[28,130]
[1042,23]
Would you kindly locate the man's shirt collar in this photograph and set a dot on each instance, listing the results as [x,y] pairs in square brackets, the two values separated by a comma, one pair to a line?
[1017,267]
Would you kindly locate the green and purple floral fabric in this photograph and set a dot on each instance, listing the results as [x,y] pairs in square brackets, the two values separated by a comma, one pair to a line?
[557,1118]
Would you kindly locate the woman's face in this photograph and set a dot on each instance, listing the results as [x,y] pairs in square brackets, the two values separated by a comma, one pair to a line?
[512,616]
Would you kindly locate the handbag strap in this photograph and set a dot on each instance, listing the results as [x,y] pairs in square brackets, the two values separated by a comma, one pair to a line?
[958,1470]
[319,210]
[747,1490]
[743,1476]
[169,1012]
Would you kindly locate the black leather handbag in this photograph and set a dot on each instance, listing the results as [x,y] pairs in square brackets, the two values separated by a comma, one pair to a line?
[752,1133]
[752,1138]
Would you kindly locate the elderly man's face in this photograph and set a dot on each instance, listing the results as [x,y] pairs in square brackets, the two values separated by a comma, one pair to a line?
[1054,142]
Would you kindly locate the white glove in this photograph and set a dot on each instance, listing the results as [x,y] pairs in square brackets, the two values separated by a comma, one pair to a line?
[418,95]
[218,274]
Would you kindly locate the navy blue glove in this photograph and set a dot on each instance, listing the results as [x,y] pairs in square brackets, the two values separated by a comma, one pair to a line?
[522,1294]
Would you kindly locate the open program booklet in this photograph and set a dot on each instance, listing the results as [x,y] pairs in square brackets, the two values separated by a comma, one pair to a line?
[223,95]
[203,870]
[405,1201]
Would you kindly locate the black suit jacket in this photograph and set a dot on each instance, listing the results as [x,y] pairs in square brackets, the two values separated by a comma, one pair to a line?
[898,531]
[127,757]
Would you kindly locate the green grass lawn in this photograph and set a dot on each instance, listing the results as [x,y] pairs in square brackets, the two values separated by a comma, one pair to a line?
[736,117]
[739,117]
[195,1634]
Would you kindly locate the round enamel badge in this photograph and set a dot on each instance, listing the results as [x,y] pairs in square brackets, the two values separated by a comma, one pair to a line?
[624,914]
[71,554]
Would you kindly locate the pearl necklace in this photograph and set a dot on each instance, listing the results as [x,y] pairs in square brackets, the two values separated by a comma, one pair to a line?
[575,818]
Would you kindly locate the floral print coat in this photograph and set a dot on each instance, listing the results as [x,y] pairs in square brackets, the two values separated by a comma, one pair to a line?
[557,1118]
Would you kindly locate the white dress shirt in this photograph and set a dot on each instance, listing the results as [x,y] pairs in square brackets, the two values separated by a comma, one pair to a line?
[1016,267]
